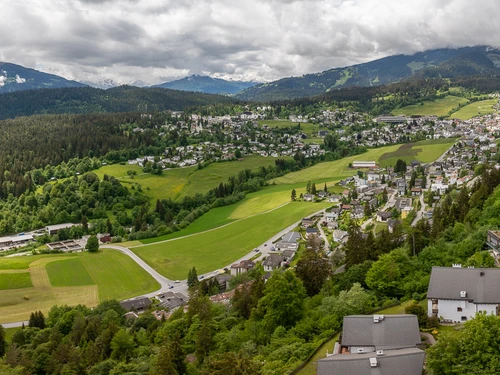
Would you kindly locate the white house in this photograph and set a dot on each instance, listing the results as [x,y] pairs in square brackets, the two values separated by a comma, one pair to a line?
[457,294]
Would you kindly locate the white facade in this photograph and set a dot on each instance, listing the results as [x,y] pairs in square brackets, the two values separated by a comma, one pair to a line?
[457,310]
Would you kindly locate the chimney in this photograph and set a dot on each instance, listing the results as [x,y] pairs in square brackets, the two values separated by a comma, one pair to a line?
[373,362]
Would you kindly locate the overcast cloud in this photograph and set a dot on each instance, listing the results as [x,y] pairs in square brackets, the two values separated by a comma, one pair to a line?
[159,40]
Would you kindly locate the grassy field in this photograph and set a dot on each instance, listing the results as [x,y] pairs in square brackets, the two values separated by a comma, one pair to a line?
[256,203]
[54,281]
[69,272]
[117,275]
[17,280]
[423,151]
[438,107]
[479,108]
[337,169]
[215,249]
[180,182]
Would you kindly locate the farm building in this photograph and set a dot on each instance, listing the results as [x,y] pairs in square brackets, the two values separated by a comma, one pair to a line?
[364,164]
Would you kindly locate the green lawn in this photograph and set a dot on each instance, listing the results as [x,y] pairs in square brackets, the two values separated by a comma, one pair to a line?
[113,275]
[256,203]
[438,107]
[15,280]
[423,151]
[311,130]
[479,108]
[117,275]
[337,169]
[220,247]
[69,272]
[19,262]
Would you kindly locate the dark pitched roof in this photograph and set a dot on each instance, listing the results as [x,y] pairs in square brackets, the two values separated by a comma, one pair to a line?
[140,303]
[312,230]
[384,214]
[273,260]
[480,284]
[393,362]
[391,332]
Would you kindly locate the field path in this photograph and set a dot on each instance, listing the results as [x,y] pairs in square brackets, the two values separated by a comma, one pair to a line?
[162,280]
[210,230]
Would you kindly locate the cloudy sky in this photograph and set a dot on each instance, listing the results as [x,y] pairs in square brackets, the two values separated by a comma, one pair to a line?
[159,40]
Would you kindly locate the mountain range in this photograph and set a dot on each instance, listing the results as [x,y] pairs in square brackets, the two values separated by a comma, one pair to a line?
[442,63]
[18,78]
[439,63]
[207,85]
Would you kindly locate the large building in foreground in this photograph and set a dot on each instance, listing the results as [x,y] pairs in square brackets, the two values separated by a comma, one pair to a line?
[376,345]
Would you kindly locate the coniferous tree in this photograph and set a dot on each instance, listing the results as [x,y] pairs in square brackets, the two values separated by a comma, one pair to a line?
[3,342]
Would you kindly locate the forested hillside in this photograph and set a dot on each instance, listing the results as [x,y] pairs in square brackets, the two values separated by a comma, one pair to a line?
[92,100]
[271,328]
[29,144]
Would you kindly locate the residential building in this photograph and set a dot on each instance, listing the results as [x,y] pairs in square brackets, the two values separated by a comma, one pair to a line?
[308,197]
[378,345]
[493,240]
[457,294]
[272,262]
[306,222]
[312,232]
[383,216]
[288,242]
[242,267]
[137,305]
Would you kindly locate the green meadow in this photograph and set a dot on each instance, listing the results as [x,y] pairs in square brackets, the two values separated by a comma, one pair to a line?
[438,107]
[217,248]
[45,280]
[482,107]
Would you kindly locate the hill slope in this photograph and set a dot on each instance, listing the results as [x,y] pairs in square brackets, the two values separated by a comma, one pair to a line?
[18,78]
[88,100]
[207,85]
[464,61]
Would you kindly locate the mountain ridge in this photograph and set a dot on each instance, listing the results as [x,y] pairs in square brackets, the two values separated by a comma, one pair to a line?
[442,62]
[206,84]
[15,77]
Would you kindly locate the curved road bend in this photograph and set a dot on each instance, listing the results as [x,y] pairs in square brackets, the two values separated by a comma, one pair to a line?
[181,287]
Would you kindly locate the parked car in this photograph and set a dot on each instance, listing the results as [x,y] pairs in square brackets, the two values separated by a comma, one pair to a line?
[176,281]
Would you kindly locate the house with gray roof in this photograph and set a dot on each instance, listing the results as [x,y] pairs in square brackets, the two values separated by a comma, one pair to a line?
[378,345]
[288,242]
[457,294]
[365,333]
[394,362]
[272,262]
[137,305]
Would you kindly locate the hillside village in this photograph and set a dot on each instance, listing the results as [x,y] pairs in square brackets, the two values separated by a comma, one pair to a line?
[248,134]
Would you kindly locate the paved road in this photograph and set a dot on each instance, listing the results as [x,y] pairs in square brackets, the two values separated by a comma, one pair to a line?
[15,324]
